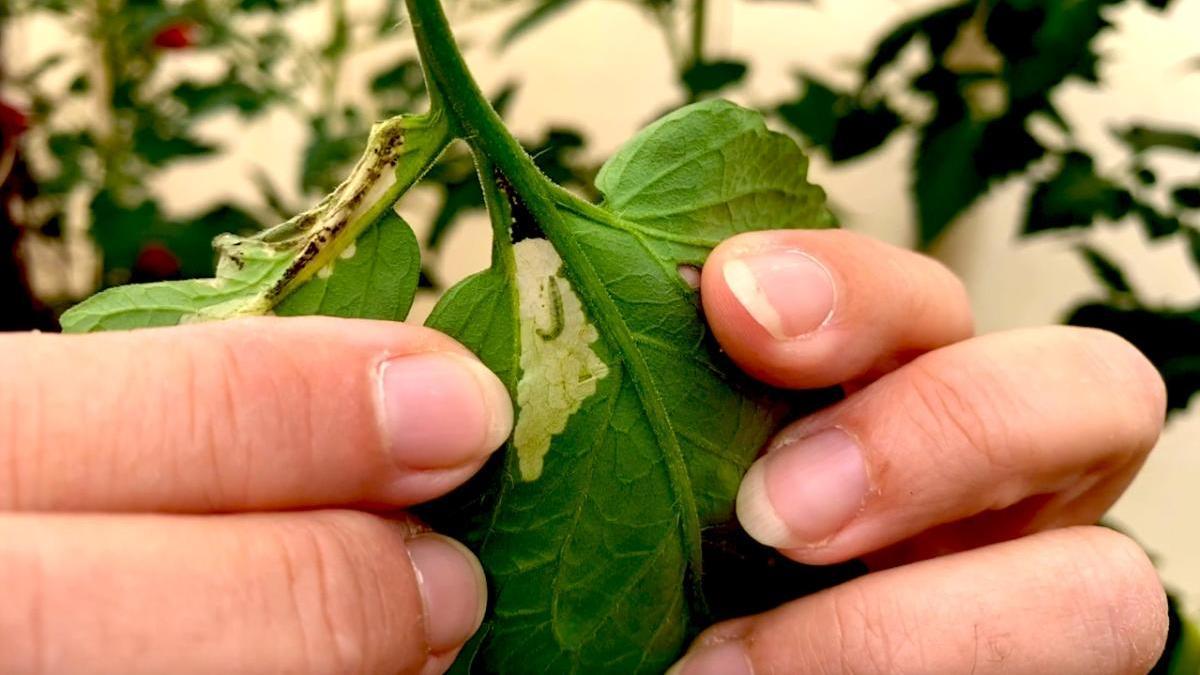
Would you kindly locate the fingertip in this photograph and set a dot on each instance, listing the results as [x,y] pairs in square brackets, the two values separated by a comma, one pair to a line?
[814,308]
[767,303]
[453,590]
[441,410]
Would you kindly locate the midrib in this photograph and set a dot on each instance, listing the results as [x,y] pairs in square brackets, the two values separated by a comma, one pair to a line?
[594,292]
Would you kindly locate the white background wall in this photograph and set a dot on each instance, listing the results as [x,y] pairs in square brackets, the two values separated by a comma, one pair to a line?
[602,67]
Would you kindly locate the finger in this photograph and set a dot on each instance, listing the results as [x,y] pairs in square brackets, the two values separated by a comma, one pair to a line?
[251,414]
[1079,601]
[1043,426]
[315,592]
[814,308]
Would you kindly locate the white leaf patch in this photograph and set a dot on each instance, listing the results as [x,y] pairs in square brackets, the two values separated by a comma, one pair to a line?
[559,370]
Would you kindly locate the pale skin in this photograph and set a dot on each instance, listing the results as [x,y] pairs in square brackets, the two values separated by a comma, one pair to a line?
[229,497]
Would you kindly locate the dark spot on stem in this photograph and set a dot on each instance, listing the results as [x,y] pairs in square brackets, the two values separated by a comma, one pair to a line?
[524,226]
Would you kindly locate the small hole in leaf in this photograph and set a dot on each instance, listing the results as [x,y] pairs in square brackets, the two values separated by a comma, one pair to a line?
[690,275]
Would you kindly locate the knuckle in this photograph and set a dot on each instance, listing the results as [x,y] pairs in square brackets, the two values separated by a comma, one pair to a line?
[334,591]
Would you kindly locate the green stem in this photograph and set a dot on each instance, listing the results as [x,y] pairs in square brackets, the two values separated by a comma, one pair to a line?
[699,27]
[335,57]
[478,122]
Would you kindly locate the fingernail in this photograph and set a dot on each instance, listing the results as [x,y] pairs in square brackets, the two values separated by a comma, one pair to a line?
[442,410]
[453,589]
[726,658]
[787,292]
[804,492]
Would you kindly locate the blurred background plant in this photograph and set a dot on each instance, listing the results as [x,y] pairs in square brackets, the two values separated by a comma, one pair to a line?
[88,129]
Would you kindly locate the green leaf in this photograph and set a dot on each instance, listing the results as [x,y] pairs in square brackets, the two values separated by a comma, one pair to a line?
[861,129]
[339,36]
[1182,654]
[632,429]
[1142,138]
[845,126]
[889,47]
[1193,239]
[1155,223]
[709,77]
[124,230]
[812,113]
[315,262]
[327,156]
[159,146]
[938,26]
[229,92]
[400,88]
[79,84]
[1187,197]
[958,159]
[1045,43]
[70,151]
[709,171]
[1106,271]
[375,278]
[1075,197]
[539,13]
[169,303]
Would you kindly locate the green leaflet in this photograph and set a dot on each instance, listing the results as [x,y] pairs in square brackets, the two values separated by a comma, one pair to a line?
[374,278]
[315,263]
[595,559]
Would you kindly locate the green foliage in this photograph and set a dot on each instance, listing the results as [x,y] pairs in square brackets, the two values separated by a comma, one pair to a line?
[626,410]
[1075,197]
[1142,138]
[377,282]
[1182,654]
[666,409]
[540,12]
[350,255]
[991,70]
[1107,272]
[842,125]
[703,78]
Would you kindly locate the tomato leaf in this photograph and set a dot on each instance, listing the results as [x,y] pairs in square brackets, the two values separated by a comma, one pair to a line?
[313,263]
[632,431]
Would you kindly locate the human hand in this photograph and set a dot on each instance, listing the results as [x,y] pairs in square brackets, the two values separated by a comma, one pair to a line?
[182,500]
[966,471]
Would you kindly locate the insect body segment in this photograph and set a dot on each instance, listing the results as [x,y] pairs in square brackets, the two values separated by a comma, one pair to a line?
[552,299]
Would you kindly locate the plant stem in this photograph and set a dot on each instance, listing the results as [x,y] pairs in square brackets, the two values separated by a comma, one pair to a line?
[333,70]
[699,27]
[478,122]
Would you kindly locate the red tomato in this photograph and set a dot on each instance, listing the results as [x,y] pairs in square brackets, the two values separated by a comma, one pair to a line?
[177,35]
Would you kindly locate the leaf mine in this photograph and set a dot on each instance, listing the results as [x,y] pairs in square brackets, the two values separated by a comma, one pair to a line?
[559,368]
